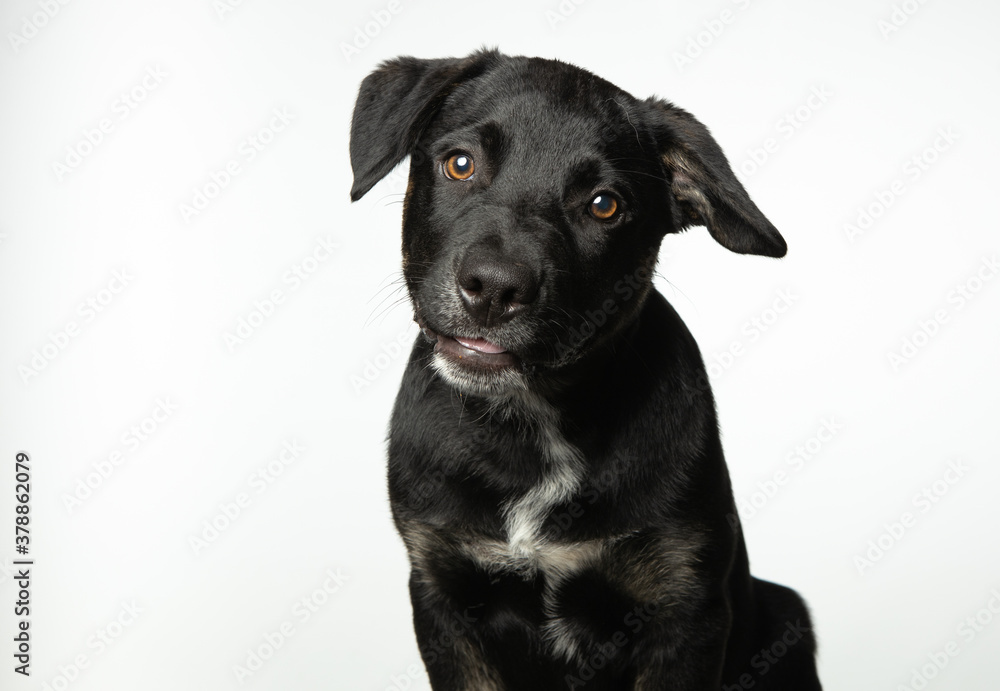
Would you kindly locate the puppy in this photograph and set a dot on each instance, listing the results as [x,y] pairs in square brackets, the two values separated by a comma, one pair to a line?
[555,468]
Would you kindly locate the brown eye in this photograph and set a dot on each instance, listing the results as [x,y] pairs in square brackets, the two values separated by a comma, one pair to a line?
[459,166]
[603,207]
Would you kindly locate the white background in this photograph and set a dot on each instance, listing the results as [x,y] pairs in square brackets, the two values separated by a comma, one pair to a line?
[322,368]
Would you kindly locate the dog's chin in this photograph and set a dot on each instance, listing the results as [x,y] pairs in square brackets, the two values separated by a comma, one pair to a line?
[476,366]
[480,381]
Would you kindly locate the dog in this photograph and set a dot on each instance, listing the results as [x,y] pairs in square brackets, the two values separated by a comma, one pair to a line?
[554,462]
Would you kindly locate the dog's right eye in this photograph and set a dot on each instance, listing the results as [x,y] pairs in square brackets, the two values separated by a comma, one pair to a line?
[459,166]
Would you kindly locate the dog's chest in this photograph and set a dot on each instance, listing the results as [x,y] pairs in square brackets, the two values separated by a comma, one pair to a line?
[524,515]
[531,579]
[552,562]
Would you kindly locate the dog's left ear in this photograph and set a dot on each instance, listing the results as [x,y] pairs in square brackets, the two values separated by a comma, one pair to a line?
[395,103]
[706,190]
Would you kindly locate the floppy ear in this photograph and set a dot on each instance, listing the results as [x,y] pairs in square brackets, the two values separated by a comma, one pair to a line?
[705,188]
[394,104]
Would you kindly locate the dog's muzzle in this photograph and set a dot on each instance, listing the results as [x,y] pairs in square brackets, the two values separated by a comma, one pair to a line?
[472,353]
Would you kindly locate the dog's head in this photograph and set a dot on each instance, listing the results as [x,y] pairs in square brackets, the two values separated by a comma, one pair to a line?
[538,197]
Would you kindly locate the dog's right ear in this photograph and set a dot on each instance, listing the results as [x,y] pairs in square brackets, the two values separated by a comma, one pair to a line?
[395,103]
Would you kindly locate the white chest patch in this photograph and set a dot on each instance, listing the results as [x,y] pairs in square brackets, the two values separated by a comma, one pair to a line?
[524,516]
[529,552]
[555,560]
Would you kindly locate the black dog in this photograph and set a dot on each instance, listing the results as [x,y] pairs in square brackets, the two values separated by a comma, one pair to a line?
[555,467]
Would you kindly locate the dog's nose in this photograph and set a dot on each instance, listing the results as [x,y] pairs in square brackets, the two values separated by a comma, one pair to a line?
[494,291]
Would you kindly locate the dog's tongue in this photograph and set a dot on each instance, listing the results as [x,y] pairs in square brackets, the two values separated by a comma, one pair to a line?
[481,345]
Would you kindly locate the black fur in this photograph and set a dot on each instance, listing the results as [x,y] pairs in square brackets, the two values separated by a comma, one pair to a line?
[629,571]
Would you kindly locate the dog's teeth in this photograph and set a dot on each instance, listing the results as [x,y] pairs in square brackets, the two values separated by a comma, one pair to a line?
[481,344]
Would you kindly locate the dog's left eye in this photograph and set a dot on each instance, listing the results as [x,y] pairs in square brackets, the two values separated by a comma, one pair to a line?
[604,207]
[459,166]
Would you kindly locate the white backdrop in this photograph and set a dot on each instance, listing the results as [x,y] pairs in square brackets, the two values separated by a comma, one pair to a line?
[201,336]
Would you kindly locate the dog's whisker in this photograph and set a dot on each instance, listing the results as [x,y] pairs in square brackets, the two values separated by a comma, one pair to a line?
[384,312]
[393,288]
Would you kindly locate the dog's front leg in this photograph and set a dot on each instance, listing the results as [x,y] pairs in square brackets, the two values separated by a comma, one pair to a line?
[685,653]
[448,643]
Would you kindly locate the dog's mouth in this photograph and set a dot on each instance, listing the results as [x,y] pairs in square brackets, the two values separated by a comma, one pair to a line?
[474,353]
